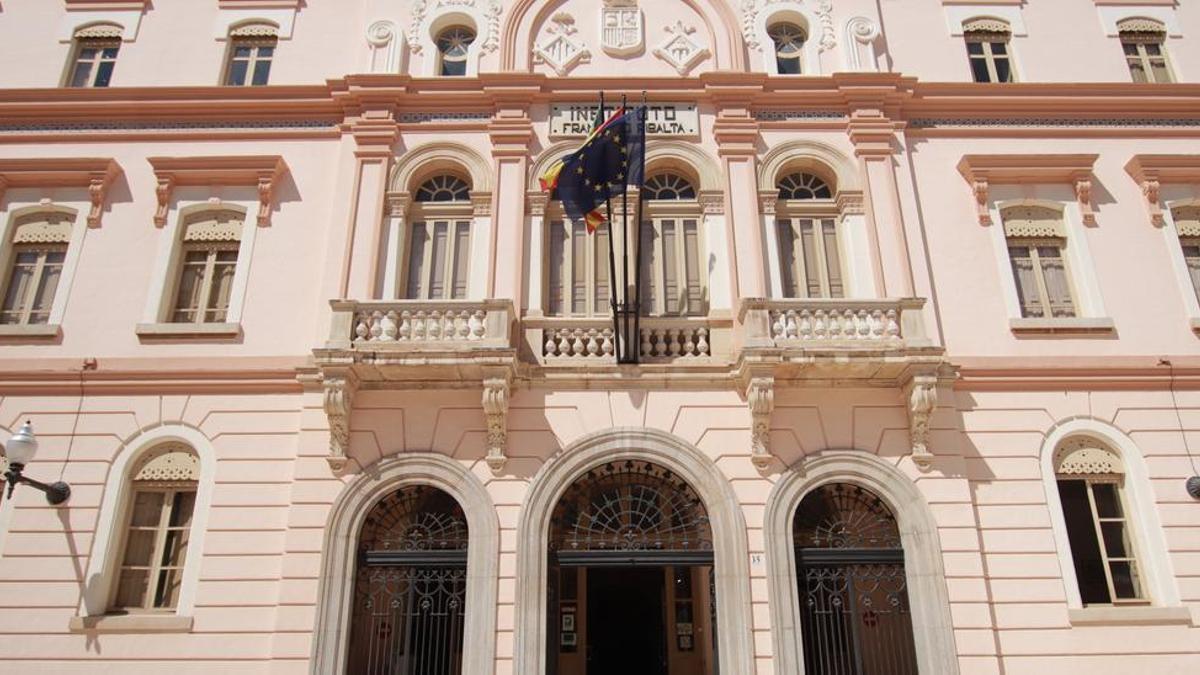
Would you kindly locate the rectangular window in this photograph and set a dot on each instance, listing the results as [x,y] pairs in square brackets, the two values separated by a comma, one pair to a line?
[578,270]
[810,262]
[94,61]
[1145,56]
[249,61]
[439,255]
[32,283]
[671,273]
[1191,256]
[205,282]
[156,544]
[988,54]
[1043,283]
[1105,565]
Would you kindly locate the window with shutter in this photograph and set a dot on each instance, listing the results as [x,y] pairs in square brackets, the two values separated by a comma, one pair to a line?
[1187,223]
[39,249]
[439,244]
[806,226]
[207,264]
[988,50]
[1143,41]
[1037,250]
[672,277]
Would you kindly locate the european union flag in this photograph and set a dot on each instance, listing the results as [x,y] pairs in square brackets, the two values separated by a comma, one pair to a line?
[613,156]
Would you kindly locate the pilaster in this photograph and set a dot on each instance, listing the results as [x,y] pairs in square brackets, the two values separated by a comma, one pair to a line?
[375,134]
[737,135]
[511,133]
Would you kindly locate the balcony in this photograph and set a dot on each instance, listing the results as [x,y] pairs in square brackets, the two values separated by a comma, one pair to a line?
[876,339]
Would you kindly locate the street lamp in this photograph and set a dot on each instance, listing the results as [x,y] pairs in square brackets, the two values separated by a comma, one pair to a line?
[20,451]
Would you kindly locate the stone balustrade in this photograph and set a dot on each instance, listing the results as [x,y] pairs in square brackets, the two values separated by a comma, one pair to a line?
[660,338]
[445,324]
[834,323]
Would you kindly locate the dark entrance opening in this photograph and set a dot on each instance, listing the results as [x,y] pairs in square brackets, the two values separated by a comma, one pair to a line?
[625,613]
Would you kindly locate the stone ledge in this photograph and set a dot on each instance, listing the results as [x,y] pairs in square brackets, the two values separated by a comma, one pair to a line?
[152,331]
[131,623]
[23,332]
[1195,323]
[1123,616]
[1094,325]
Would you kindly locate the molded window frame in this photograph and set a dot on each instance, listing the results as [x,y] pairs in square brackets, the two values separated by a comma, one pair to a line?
[799,15]
[455,216]
[168,512]
[75,210]
[103,565]
[102,45]
[657,213]
[594,256]
[1189,291]
[990,56]
[820,212]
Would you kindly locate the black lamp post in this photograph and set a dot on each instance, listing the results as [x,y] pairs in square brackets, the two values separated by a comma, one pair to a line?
[20,450]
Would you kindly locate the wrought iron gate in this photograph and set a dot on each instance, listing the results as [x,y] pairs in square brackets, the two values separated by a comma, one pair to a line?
[854,607]
[410,591]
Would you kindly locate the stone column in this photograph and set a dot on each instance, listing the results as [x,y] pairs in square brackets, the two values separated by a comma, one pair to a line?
[535,204]
[373,154]
[873,134]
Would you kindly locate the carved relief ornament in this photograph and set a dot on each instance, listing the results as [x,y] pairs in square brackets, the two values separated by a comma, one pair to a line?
[561,49]
[680,49]
[823,9]
[339,401]
[489,34]
[622,29]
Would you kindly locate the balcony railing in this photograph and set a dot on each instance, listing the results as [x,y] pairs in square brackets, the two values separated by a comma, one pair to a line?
[569,340]
[833,323]
[421,324]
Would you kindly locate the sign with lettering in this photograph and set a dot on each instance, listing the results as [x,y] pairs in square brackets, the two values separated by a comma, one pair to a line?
[662,119]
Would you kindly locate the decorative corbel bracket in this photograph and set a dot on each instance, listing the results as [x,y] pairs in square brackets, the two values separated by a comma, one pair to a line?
[495,407]
[1153,171]
[920,393]
[1083,192]
[339,401]
[980,190]
[760,396]
[95,174]
[262,172]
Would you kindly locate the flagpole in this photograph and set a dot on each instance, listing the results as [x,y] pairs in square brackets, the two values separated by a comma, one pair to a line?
[635,349]
[637,272]
[612,268]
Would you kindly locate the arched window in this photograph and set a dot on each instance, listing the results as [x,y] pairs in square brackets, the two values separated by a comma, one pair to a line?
[789,42]
[1144,43]
[454,44]
[439,245]
[207,265]
[672,278]
[251,52]
[410,586]
[988,49]
[157,530]
[853,592]
[1090,477]
[809,246]
[94,55]
[39,250]
[1037,243]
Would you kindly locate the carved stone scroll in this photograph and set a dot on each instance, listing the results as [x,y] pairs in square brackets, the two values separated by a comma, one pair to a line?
[921,395]
[495,408]
[760,396]
[339,401]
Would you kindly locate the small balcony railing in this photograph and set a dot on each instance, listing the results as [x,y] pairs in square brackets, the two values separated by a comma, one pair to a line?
[888,323]
[422,324]
[570,340]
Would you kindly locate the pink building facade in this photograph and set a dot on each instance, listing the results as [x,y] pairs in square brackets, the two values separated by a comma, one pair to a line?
[332,379]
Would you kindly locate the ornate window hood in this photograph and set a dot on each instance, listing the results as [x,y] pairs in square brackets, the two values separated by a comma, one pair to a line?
[95,174]
[982,171]
[261,171]
[1151,171]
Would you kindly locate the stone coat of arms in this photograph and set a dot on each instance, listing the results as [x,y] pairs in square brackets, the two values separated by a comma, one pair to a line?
[622,31]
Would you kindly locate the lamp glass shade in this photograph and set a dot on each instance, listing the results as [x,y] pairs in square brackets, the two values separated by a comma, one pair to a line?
[22,447]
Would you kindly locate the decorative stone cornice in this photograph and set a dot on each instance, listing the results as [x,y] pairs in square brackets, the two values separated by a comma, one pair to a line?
[260,171]
[920,393]
[95,174]
[982,171]
[1152,171]
[760,396]
[496,389]
[339,390]
[105,5]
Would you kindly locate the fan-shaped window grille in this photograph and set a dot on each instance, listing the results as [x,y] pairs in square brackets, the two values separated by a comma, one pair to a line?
[1083,456]
[630,506]
[444,188]
[789,42]
[843,516]
[1033,221]
[804,186]
[667,187]
[413,519]
[168,462]
[43,227]
[453,45]
[214,225]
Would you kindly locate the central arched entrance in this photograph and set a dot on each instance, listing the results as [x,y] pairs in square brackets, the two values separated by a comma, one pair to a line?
[630,583]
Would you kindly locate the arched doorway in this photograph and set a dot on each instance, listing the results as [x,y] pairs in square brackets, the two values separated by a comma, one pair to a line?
[853,593]
[630,583]
[410,586]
